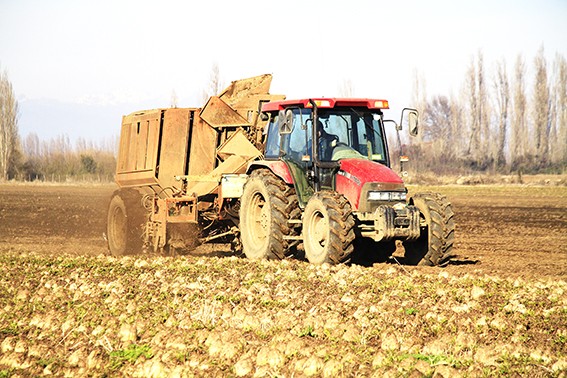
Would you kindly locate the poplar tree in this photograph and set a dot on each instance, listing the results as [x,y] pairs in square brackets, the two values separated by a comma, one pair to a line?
[519,135]
[502,93]
[540,109]
[9,140]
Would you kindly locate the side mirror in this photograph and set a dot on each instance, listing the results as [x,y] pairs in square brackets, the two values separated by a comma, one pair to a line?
[264,116]
[413,117]
[286,122]
[412,123]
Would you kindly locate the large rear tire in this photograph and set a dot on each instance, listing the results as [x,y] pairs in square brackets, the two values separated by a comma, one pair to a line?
[266,206]
[437,232]
[328,229]
[125,223]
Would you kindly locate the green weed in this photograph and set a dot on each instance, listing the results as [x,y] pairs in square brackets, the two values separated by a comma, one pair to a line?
[130,354]
[307,331]
[411,311]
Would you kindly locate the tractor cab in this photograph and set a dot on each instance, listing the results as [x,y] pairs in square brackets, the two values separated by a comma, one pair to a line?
[341,127]
[313,137]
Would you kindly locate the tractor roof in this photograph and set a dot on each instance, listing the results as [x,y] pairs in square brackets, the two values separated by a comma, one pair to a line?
[369,103]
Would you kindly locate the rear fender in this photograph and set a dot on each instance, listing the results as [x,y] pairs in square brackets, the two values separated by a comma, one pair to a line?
[291,173]
[278,167]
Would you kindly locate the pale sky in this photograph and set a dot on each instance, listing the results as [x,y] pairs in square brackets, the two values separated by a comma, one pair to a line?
[78,66]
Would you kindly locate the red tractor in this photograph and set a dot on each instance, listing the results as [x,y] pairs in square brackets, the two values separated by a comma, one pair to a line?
[325,186]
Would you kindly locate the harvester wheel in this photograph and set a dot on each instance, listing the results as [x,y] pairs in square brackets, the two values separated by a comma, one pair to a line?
[328,229]
[266,206]
[125,223]
[437,231]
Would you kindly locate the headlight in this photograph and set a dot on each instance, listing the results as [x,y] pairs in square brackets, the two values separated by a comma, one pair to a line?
[386,196]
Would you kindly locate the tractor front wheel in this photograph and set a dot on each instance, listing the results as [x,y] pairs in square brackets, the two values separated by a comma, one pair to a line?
[328,229]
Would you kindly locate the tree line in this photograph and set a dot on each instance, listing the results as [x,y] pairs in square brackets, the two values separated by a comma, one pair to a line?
[57,159]
[502,120]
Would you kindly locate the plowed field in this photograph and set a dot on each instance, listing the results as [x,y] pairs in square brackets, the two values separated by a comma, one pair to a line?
[498,308]
[501,230]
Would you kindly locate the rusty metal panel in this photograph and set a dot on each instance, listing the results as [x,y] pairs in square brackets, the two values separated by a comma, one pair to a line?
[209,183]
[138,178]
[138,149]
[142,127]
[238,144]
[124,151]
[202,157]
[251,104]
[152,144]
[181,209]
[147,138]
[245,96]
[219,114]
[240,89]
[174,145]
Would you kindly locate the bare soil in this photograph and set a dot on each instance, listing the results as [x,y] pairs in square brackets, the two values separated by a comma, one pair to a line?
[500,230]
[68,309]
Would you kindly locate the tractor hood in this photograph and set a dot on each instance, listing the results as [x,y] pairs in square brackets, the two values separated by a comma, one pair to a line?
[369,171]
[357,176]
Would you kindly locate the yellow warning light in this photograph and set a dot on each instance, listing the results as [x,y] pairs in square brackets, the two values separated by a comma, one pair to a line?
[323,103]
[381,104]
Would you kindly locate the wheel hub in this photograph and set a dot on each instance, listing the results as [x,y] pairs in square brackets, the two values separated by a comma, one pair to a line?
[260,218]
[264,219]
[320,228]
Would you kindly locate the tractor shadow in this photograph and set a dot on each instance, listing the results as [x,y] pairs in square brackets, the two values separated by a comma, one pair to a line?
[397,259]
[360,257]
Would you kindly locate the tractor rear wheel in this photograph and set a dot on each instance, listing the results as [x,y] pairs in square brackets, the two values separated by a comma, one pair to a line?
[266,206]
[125,223]
[328,229]
[437,231]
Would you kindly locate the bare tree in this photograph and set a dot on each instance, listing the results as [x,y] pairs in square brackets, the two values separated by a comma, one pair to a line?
[31,146]
[419,99]
[541,108]
[9,140]
[437,119]
[456,143]
[472,112]
[215,84]
[558,140]
[502,93]
[483,110]
[437,130]
[519,134]
[174,99]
